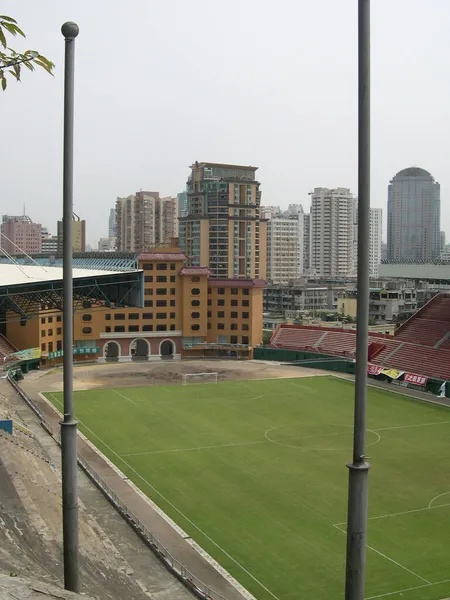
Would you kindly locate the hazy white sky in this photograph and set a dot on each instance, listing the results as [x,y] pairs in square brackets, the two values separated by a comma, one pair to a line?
[272,84]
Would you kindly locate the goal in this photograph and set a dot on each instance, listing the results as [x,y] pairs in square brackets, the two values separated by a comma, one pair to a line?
[189,378]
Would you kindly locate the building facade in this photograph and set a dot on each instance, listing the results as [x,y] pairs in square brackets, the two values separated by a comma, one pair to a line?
[223,229]
[376,231]
[414,216]
[112,223]
[182,204]
[306,242]
[20,235]
[185,313]
[285,247]
[144,220]
[333,232]
[78,235]
[107,244]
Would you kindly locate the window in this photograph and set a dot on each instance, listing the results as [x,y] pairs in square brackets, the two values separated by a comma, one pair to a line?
[86,318]
[221,302]
[246,292]
[233,326]
[147,328]
[195,291]
[172,328]
[234,303]
[148,278]
[161,315]
[195,315]
[148,303]
[133,327]
[172,279]
[161,267]
[195,302]
[234,315]
[161,327]
[87,304]
[108,317]
[233,339]
[172,291]
[50,319]
[50,332]
[59,345]
[133,316]
[195,279]
[43,346]
[195,327]
[172,303]
[245,315]
[209,291]
[50,346]
[234,291]
[59,318]
[172,315]
[245,339]
[172,266]
[161,279]
[59,331]
[221,314]
[221,291]
[108,329]
[209,302]
[119,329]
[220,325]
[148,292]
[86,330]
[119,317]
[161,292]
[147,266]
[147,316]
[245,303]
[43,321]
[161,303]
[244,326]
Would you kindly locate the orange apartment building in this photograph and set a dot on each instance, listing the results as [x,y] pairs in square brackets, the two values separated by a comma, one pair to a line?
[186,313]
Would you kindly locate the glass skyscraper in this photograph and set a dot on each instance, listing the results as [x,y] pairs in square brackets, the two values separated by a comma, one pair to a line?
[414,215]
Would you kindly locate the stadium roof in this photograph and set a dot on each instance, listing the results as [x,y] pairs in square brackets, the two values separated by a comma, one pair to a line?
[437,271]
[24,289]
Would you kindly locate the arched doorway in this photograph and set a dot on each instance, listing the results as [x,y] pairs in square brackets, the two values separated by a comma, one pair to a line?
[111,352]
[139,350]
[166,349]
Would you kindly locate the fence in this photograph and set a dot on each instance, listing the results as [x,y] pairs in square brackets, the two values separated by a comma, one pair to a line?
[200,589]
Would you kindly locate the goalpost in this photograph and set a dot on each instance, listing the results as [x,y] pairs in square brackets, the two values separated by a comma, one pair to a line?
[188,378]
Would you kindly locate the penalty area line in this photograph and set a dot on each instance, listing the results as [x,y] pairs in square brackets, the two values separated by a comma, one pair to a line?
[124,397]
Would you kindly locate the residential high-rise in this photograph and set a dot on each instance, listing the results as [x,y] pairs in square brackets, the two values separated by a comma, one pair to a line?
[78,235]
[222,229]
[442,242]
[376,231]
[107,244]
[332,232]
[285,245]
[306,242]
[182,204]
[414,216]
[20,234]
[112,223]
[145,220]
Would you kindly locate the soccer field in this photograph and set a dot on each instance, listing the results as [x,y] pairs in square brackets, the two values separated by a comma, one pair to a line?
[255,472]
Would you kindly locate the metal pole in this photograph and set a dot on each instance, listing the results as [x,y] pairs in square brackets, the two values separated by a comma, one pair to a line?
[359,468]
[69,424]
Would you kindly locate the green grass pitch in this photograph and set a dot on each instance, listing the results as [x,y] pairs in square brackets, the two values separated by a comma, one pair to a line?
[255,472]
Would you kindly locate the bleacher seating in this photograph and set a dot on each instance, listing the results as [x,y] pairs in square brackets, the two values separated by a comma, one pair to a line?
[6,348]
[296,338]
[424,331]
[337,342]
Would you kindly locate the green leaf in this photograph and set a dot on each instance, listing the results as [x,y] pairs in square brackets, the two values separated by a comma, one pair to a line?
[5,18]
[2,38]
[13,29]
[3,83]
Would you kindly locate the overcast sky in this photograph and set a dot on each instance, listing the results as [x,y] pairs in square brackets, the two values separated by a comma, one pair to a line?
[271,84]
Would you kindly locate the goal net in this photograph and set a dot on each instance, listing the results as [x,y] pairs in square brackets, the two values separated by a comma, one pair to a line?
[189,378]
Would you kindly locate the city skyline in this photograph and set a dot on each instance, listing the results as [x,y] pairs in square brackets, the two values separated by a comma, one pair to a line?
[299,140]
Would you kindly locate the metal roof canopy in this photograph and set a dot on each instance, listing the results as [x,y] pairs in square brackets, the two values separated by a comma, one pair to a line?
[25,294]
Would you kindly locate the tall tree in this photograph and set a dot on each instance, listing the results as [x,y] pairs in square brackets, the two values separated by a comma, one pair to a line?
[11,61]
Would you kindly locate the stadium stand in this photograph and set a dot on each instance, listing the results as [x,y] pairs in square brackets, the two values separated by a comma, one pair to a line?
[430,326]
[6,348]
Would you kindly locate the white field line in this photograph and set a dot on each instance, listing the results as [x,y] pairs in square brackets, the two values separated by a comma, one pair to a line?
[124,397]
[194,448]
[417,587]
[175,508]
[391,560]
[398,514]
[436,497]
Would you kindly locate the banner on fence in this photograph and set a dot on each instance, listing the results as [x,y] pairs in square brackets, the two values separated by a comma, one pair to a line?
[416,379]
[29,354]
[374,369]
[392,373]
